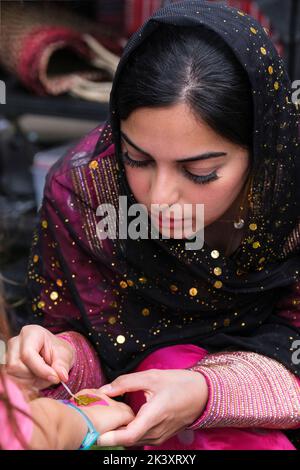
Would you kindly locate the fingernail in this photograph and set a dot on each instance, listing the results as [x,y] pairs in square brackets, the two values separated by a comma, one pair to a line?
[64,374]
[53,378]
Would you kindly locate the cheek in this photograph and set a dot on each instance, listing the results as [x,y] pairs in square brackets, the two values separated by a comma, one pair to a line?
[139,183]
[219,195]
[220,198]
[212,197]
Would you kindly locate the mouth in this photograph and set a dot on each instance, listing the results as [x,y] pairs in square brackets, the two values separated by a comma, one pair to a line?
[165,221]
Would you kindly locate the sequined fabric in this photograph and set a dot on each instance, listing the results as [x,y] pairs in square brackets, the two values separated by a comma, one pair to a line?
[130,297]
[248,390]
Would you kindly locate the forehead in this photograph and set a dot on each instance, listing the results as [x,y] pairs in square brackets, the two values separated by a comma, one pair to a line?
[172,130]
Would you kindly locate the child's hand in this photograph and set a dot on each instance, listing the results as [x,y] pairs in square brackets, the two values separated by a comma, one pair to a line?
[106,418]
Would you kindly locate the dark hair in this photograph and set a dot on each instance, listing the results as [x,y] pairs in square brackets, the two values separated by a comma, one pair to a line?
[194,66]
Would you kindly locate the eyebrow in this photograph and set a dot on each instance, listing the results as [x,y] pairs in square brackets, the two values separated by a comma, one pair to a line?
[203,156]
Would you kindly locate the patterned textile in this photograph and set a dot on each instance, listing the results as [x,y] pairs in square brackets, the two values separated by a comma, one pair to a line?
[133,298]
[148,311]
[45,47]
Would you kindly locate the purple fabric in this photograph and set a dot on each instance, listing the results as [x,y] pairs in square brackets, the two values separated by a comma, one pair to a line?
[81,299]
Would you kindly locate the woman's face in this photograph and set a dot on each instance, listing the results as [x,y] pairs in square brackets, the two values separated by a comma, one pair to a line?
[172,158]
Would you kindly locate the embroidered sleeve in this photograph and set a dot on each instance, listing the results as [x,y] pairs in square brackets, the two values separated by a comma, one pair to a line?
[248,390]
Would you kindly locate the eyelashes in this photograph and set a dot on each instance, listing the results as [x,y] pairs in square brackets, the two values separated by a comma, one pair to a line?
[134,163]
[199,179]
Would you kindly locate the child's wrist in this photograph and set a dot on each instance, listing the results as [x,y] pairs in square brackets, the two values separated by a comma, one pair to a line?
[92,434]
[70,420]
[54,426]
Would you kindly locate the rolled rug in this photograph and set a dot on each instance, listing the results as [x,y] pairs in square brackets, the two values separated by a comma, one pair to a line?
[53,50]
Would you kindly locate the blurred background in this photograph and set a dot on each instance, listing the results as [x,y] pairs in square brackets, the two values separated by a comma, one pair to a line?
[57,62]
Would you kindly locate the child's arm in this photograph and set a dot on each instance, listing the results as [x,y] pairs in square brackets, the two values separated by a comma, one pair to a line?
[60,427]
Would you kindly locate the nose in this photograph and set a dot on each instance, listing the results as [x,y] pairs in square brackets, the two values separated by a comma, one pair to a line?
[164,187]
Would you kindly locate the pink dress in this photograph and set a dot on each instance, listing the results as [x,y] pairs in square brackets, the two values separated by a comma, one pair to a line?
[227,437]
[8,438]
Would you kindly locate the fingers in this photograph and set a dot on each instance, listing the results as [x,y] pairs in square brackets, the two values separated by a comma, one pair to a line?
[30,349]
[38,366]
[21,373]
[119,417]
[14,365]
[48,354]
[155,441]
[131,383]
[63,357]
[23,357]
[59,367]
[146,419]
[112,438]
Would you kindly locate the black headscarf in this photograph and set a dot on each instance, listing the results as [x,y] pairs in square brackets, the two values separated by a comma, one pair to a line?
[157,307]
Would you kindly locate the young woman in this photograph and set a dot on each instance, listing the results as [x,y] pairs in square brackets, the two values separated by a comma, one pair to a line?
[202,342]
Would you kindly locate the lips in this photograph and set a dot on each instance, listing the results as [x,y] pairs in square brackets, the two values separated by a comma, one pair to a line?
[168,221]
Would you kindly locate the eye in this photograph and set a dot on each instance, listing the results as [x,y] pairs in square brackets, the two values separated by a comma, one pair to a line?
[201,179]
[134,163]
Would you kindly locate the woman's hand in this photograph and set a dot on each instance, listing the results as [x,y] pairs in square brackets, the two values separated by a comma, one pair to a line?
[107,418]
[37,359]
[174,399]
